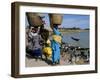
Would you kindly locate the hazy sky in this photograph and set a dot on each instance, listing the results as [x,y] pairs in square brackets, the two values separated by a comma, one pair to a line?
[70,20]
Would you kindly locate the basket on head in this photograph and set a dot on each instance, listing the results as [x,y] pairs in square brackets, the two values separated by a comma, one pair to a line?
[34,19]
[56,18]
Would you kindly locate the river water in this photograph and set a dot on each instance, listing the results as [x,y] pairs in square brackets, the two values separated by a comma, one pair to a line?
[83,36]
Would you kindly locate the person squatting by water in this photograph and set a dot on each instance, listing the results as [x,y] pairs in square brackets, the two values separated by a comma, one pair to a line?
[55,45]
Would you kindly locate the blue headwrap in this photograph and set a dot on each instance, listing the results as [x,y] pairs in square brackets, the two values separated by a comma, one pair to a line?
[56,31]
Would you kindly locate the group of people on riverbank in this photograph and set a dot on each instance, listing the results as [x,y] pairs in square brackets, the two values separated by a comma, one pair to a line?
[37,46]
[37,40]
[40,43]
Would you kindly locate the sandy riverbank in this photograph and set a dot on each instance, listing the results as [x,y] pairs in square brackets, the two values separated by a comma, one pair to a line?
[72,31]
[32,62]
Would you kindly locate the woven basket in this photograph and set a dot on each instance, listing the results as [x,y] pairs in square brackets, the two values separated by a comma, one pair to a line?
[34,19]
[56,18]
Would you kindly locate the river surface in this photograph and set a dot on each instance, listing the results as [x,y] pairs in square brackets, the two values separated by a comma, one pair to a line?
[83,36]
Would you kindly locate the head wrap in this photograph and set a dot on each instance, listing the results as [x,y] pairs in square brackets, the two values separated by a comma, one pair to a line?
[56,31]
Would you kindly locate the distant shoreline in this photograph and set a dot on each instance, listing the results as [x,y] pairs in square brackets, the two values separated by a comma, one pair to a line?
[69,31]
[72,31]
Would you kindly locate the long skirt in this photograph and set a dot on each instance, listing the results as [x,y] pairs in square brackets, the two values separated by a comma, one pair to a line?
[55,51]
[56,56]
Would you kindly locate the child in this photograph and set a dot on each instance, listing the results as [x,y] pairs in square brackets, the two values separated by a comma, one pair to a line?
[37,42]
